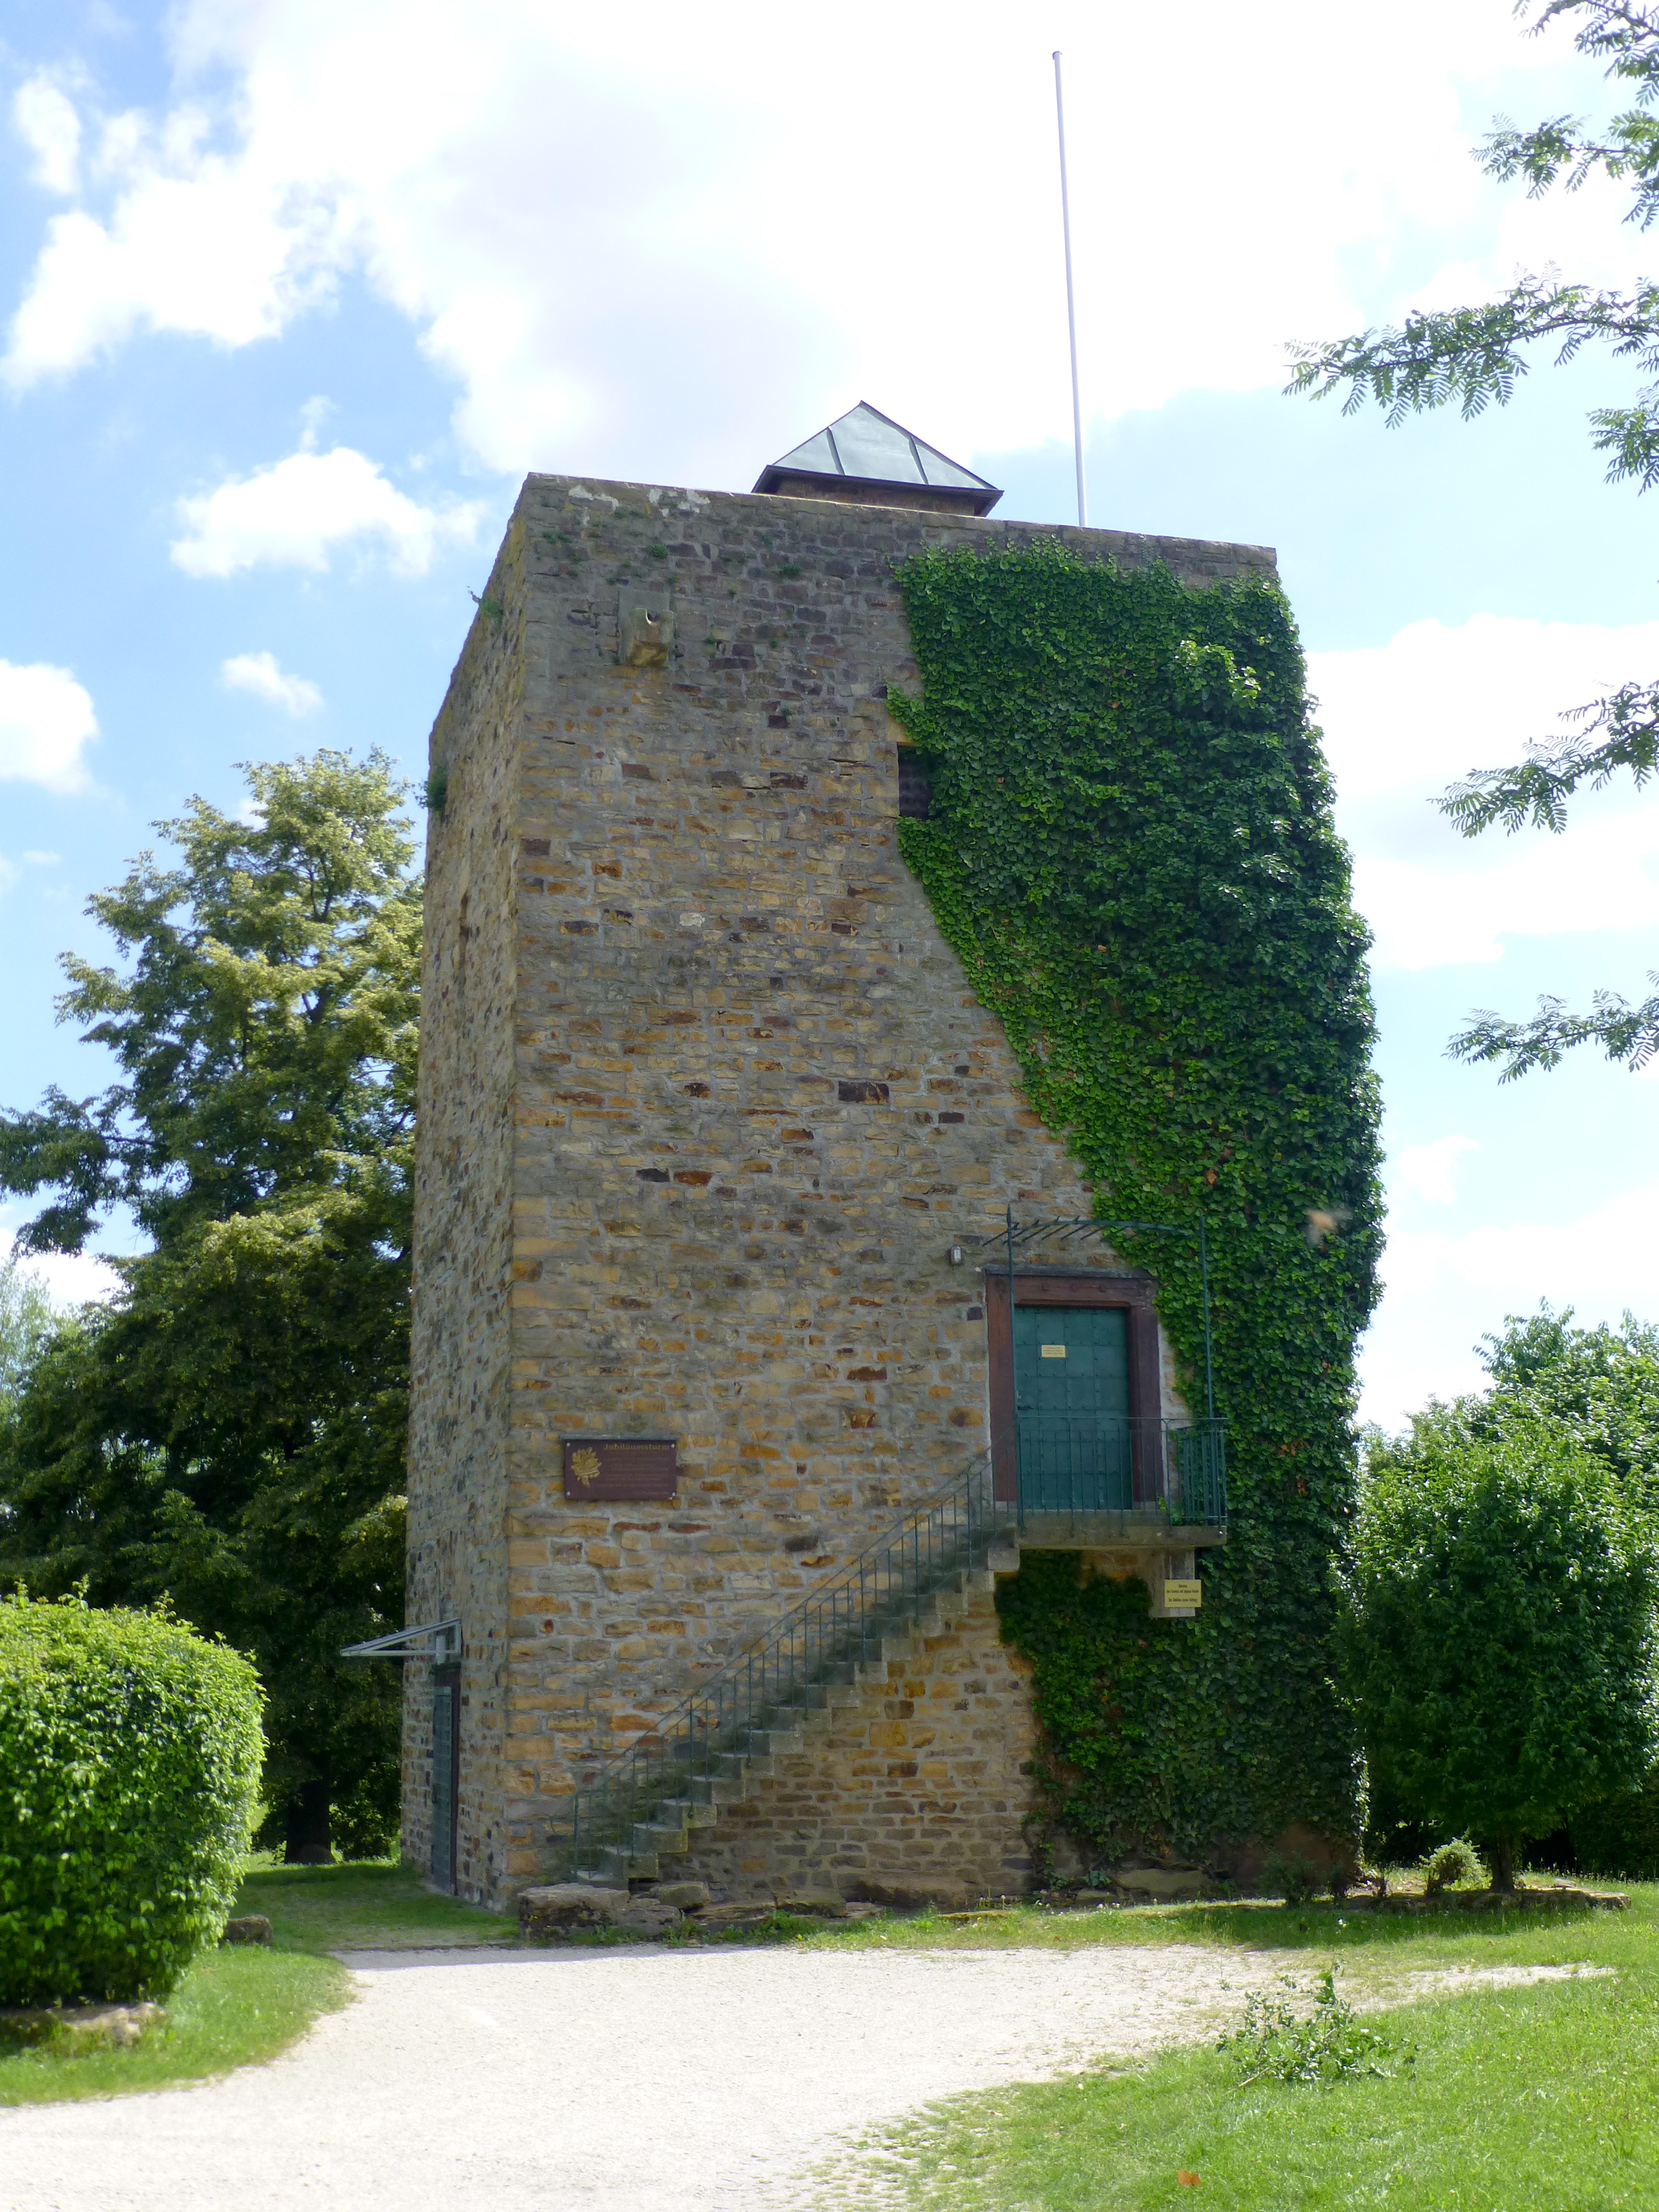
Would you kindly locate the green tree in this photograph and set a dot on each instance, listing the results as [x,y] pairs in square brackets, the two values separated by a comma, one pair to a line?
[1472,356]
[1600,1387]
[1498,1641]
[27,1321]
[229,1430]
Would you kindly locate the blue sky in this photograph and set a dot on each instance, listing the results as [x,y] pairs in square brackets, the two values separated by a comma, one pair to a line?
[294,291]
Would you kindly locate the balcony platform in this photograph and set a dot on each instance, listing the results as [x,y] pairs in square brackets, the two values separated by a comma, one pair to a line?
[1109,1532]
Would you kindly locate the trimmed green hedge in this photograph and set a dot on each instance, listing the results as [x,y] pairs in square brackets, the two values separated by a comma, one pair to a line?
[130,1757]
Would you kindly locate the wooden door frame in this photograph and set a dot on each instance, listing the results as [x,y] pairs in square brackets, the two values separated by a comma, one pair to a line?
[1134,1292]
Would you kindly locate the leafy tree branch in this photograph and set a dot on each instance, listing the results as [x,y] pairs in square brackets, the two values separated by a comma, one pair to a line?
[1472,357]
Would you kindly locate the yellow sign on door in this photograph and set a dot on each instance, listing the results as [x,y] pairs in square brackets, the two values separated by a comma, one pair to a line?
[1185,1594]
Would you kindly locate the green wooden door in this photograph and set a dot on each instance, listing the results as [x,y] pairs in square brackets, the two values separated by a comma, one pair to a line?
[1071,1407]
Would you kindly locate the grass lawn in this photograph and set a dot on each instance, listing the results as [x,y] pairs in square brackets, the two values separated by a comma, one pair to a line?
[1527,2099]
[372,1905]
[234,2007]
[242,2004]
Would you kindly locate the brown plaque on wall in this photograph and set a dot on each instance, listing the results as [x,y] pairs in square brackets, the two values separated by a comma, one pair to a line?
[604,1467]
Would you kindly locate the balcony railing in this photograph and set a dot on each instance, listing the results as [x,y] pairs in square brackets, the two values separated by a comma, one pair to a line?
[1086,1466]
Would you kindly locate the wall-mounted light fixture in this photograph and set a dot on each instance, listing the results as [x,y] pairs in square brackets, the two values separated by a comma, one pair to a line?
[956,1255]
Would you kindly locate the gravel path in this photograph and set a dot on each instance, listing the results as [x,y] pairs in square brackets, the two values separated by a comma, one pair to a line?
[642,2081]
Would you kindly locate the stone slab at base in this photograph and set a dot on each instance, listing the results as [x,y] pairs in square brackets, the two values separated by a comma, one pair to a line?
[118,2025]
[247,1927]
[1495,1900]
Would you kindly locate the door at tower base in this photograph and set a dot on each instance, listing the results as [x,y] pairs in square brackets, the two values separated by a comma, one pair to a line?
[643,1469]
[445,1774]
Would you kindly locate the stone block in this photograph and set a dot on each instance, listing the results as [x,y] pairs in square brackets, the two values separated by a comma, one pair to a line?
[1163,1881]
[908,1893]
[650,1916]
[247,1928]
[81,2026]
[557,1908]
[684,1896]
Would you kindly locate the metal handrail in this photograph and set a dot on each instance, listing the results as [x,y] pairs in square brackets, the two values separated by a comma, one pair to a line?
[1084,1464]
[837,1625]
[834,1628]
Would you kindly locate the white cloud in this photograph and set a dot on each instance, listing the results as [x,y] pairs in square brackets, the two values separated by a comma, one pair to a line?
[295,513]
[1426,1171]
[48,126]
[257,672]
[600,222]
[46,718]
[1423,1338]
[74,1278]
[1404,720]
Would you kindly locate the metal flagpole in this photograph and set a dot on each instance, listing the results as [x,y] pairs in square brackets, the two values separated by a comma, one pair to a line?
[1071,302]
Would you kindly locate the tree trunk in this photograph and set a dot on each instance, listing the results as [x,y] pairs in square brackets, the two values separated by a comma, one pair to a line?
[306,1842]
[1502,1863]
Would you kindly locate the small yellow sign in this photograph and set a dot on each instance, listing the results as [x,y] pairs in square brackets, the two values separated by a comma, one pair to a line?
[1054,1352]
[1187,1593]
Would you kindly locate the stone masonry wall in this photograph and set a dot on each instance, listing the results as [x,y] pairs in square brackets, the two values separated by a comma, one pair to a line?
[753,1101]
[917,1786]
[463,1249]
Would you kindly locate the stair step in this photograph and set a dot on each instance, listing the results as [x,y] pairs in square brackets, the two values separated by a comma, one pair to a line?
[660,1835]
[690,1812]
[710,1791]
[616,1865]
[699,1780]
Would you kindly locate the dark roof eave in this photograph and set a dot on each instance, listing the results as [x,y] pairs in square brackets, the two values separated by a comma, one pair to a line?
[980,499]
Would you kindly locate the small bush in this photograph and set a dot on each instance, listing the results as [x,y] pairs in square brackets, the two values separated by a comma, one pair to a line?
[129,1757]
[1276,2044]
[1453,1862]
[1296,1879]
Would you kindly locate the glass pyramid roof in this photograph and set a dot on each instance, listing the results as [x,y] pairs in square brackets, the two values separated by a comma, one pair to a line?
[869,444]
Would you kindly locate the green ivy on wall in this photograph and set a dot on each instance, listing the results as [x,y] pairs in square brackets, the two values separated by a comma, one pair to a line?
[1131,849]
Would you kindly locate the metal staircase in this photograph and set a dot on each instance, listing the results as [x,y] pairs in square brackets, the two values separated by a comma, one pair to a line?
[726,1737]
[712,1749]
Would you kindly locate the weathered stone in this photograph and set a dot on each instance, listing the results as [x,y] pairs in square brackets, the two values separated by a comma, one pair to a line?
[825,1904]
[718,1919]
[558,1907]
[1522,1898]
[1163,1881]
[686,1896]
[648,1916]
[247,1927]
[120,2026]
[911,1896]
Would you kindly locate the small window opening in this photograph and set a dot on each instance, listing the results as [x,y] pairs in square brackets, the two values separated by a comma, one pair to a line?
[916,787]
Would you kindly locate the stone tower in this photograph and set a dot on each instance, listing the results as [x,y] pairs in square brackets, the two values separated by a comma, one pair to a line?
[706,1107]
